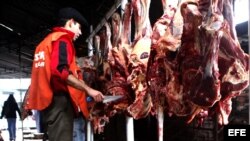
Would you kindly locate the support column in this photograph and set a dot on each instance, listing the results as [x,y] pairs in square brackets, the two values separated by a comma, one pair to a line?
[160,119]
[90,44]
[130,128]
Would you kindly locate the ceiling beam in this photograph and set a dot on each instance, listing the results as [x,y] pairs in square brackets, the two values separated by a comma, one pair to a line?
[104,19]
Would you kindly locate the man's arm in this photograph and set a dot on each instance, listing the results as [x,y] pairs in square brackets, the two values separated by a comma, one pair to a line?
[2,114]
[81,85]
[62,54]
[3,110]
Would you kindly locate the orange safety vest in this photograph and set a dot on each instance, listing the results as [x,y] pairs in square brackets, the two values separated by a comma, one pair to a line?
[40,92]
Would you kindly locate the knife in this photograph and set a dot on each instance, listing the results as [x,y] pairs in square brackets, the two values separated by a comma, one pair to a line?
[107,98]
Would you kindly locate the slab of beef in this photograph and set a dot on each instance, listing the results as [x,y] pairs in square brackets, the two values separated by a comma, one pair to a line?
[233,65]
[166,39]
[199,55]
[138,60]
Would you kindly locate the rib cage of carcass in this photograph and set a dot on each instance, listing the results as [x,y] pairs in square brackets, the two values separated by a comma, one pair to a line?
[190,62]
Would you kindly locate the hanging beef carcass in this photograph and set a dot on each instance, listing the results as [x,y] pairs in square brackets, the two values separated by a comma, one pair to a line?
[197,61]
[233,65]
[120,52]
[118,84]
[198,55]
[97,110]
[91,78]
[196,86]
[97,117]
[138,60]
[117,65]
[188,75]
[166,39]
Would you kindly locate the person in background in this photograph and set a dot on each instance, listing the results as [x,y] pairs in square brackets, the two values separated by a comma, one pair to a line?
[9,110]
[37,117]
[57,89]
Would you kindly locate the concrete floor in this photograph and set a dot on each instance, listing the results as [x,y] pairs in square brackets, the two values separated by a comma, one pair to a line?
[19,136]
[5,135]
[28,125]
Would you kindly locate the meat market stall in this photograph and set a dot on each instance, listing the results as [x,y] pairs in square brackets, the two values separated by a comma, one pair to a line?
[184,69]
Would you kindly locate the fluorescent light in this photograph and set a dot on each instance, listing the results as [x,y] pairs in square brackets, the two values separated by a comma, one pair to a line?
[10,29]
[6,27]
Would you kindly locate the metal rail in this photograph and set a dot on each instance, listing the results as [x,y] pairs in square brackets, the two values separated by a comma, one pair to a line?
[104,19]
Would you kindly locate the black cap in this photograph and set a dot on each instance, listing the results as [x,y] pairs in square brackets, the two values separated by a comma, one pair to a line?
[68,13]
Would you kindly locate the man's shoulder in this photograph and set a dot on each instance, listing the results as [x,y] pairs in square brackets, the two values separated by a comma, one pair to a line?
[51,37]
[58,35]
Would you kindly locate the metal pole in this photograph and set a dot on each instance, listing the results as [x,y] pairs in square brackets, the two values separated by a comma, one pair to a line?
[130,128]
[90,44]
[90,136]
[20,77]
[160,119]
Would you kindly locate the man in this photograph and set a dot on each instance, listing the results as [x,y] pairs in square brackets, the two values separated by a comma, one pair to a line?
[56,88]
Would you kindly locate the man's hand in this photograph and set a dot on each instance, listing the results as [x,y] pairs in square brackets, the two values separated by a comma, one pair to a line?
[97,95]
